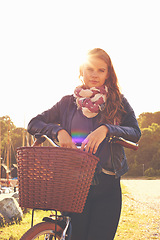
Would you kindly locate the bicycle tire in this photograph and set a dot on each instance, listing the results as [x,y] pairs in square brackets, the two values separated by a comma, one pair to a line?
[40,230]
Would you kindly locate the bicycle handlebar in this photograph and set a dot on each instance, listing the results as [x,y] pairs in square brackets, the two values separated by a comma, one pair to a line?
[41,138]
[125,143]
[119,140]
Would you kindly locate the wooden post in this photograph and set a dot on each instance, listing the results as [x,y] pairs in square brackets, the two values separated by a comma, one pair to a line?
[0,154]
[23,140]
[8,148]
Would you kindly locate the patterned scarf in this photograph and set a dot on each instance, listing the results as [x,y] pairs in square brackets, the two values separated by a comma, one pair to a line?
[91,100]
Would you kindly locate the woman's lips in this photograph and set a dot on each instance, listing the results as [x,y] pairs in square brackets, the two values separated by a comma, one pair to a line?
[93,82]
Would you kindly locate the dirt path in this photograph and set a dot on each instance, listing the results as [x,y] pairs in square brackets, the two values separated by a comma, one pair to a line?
[146,192]
[144,197]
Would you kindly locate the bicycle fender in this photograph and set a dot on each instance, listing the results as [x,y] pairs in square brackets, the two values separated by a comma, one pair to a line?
[61,223]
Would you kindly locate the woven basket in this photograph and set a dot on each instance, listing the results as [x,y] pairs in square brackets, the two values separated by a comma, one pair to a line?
[54,178]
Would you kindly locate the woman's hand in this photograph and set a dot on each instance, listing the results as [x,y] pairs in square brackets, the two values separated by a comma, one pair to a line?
[93,140]
[65,139]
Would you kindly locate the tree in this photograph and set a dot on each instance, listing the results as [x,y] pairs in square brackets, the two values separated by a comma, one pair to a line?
[148,154]
[16,141]
[146,119]
[15,137]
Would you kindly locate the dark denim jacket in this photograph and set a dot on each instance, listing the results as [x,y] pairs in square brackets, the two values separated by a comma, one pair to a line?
[60,117]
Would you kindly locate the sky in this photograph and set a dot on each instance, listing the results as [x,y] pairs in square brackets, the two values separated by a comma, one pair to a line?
[42,44]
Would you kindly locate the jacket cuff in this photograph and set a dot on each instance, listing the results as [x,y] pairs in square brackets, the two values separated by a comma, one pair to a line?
[55,131]
[111,130]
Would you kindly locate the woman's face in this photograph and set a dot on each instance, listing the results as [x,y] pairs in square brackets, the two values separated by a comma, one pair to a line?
[95,72]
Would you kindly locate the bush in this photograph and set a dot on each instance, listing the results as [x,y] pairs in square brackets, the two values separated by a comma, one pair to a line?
[135,169]
[157,172]
[150,172]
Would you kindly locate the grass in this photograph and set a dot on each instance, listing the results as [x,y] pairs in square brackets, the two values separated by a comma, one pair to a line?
[16,230]
[135,224]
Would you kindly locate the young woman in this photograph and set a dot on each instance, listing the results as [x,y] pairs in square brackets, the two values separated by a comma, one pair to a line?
[94,113]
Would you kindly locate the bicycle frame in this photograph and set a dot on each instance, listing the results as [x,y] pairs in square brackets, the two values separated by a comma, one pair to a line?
[61,220]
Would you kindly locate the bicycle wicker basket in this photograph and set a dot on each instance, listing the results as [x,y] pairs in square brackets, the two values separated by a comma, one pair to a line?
[54,178]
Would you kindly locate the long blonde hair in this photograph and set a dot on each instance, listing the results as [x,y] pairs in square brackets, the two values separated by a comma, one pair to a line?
[113,109]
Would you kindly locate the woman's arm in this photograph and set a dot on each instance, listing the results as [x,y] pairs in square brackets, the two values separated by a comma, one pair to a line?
[49,123]
[46,123]
[128,129]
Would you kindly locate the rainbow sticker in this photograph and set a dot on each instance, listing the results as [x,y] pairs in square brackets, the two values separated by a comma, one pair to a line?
[78,137]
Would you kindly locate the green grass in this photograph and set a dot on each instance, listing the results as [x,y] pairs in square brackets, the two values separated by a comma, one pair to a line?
[15,231]
[135,222]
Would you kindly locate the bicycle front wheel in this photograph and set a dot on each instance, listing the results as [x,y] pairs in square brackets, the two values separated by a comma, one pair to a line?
[44,230]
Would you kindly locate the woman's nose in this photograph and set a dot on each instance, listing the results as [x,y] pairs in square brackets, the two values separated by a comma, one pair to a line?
[94,74]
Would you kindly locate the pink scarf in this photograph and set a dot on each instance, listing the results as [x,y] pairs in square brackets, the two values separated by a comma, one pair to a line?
[91,100]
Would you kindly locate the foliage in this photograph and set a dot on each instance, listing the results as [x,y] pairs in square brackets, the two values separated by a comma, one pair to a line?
[10,133]
[146,119]
[146,161]
[150,172]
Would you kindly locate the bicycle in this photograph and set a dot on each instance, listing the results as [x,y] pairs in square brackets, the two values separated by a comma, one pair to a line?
[53,227]
[58,226]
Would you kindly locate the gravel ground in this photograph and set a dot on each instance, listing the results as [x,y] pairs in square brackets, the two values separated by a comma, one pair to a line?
[146,192]
[144,196]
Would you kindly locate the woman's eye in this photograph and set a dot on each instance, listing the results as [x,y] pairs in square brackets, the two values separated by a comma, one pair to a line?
[89,69]
[101,70]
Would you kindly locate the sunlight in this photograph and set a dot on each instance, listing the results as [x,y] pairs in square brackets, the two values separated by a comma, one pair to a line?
[40,63]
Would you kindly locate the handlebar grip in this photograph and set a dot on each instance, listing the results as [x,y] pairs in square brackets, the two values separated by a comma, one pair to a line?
[124,143]
[128,144]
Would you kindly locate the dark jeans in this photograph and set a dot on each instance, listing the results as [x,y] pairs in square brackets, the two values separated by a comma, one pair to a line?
[100,217]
